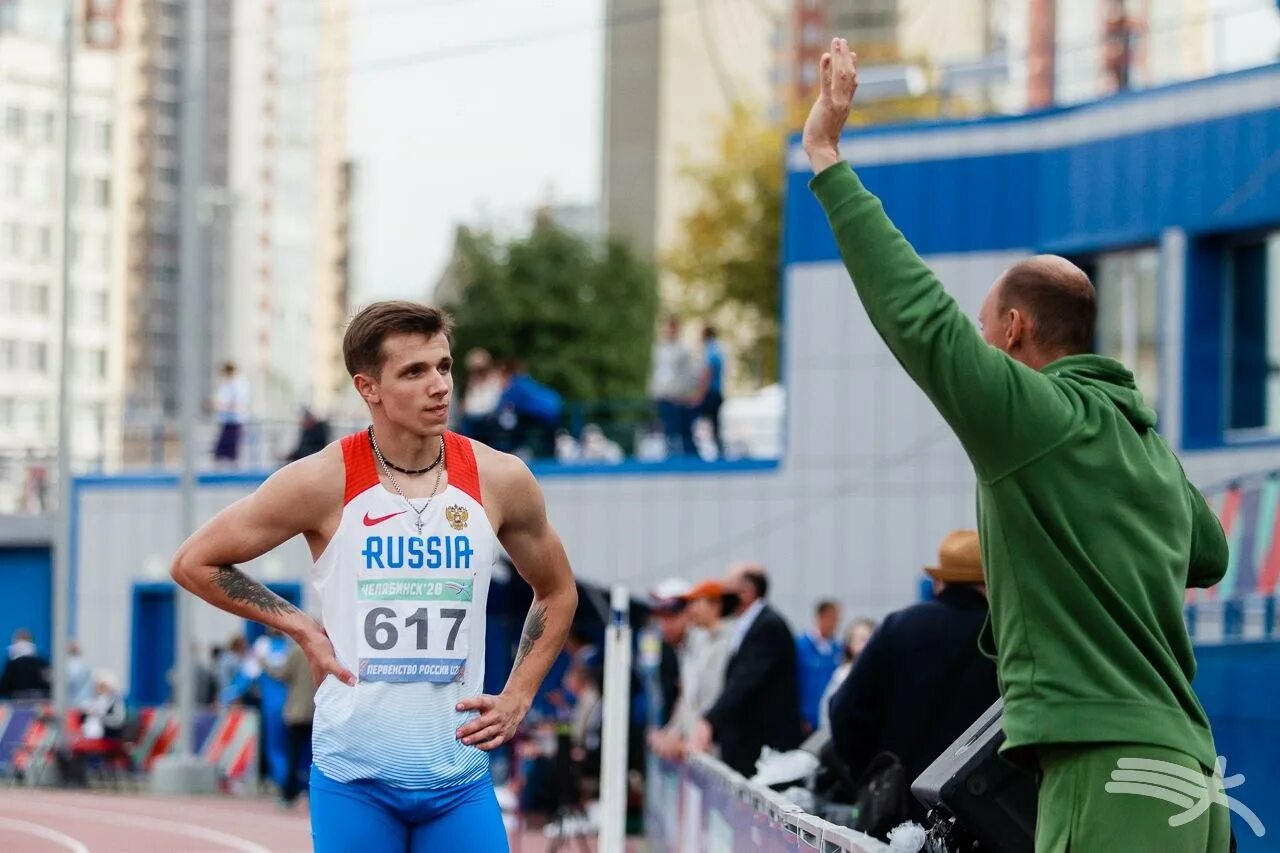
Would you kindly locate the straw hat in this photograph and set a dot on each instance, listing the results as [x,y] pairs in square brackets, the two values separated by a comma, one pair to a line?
[959,559]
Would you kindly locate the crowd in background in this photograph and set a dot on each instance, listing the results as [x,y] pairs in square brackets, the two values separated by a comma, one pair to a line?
[504,406]
[872,703]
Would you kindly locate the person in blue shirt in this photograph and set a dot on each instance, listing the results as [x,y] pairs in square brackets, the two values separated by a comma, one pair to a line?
[528,412]
[710,394]
[818,655]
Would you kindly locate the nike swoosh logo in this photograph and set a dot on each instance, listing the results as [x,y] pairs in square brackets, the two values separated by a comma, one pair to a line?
[370,522]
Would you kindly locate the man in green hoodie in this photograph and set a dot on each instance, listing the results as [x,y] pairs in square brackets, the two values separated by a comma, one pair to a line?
[1090,530]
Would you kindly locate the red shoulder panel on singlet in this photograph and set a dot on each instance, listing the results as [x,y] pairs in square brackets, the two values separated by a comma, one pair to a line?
[357,458]
[461,459]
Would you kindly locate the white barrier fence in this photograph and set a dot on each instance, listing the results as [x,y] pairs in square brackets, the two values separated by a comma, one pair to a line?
[702,806]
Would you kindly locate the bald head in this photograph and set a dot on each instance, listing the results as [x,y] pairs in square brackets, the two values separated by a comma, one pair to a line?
[1039,310]
[1058,299]
[748,582]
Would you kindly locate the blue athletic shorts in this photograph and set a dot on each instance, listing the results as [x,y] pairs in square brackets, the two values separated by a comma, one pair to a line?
[372,817]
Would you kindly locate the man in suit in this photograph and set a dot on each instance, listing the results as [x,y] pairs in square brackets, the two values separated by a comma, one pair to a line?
[921,680]
[760,703]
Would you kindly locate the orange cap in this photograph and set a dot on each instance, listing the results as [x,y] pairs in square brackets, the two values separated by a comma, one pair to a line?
[704,589]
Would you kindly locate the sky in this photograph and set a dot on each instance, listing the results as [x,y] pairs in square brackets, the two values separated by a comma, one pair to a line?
[465,111]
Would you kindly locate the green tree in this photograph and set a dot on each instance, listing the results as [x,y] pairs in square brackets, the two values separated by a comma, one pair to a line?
[580,315]
[727,256]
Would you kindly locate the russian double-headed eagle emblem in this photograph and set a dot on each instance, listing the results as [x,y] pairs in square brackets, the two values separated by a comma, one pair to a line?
[457,517]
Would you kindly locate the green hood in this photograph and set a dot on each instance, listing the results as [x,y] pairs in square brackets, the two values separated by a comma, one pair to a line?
[1110,377]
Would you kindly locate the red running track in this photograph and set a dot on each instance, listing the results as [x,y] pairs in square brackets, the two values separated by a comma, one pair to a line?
[41,821]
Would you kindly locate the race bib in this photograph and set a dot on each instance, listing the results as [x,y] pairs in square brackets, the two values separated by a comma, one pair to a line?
[413,630]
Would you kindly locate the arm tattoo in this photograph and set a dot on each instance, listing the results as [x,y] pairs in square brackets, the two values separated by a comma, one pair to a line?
[240,587]
[534,626]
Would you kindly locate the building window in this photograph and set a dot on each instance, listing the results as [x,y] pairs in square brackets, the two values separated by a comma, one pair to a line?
[6,412]
[8,355]
[10,297]
[14,122]
[44,241]
[38,360]
[1253,335]
[92,306]
[39,303]
[33,415]
[1128,314]
[48,128]
[11,240]
[103,137]
[102,192]
[13,180]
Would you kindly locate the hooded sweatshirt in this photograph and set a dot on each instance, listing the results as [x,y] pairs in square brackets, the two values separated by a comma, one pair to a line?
[1090,531]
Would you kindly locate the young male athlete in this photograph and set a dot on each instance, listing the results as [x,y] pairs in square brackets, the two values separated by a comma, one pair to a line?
[404,521]
[1090,532]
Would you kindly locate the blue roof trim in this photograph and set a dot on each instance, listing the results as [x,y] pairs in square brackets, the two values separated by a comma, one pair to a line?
[1215,175]
[666,467]
[930,125]
[146,479]
[630,467]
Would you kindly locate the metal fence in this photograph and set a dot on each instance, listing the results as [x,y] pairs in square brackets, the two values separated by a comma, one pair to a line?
[702,806]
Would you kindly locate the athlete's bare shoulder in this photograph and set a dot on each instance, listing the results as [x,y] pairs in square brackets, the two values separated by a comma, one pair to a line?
[311,488]
[507,484]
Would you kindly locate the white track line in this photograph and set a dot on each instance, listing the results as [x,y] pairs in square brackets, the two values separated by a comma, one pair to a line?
[204,833]
[43,832]
[126,803]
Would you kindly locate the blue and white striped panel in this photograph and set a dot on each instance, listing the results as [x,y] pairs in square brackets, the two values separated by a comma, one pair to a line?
[399,734]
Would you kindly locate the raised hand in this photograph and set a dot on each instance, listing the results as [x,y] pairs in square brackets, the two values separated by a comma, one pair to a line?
[838,71]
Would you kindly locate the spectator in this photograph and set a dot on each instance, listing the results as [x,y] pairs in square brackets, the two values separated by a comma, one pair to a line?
[668,611]
[313,436]
[104,716]
[818,656]
[231,408]
[485,385]
[528,413]
[597,447]
[760,704]
[207,693]
[26,673]
[583,649]
[101,732]
[710,394]
[855,640]
[671,384]
[299,709]
[920,681]
[271,650]
[702,671]
[80,687]
[227,668]
[585,725]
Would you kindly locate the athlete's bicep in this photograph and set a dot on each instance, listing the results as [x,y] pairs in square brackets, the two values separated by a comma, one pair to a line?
[287,504]
[527,535]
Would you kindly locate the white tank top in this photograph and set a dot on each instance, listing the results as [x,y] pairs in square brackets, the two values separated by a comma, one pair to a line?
[405,610]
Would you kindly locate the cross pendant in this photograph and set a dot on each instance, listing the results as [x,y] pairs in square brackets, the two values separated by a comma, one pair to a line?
[418,524]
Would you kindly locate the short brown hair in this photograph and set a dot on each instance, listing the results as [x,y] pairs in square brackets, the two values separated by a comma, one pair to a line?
[362,343]
[1058,297]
